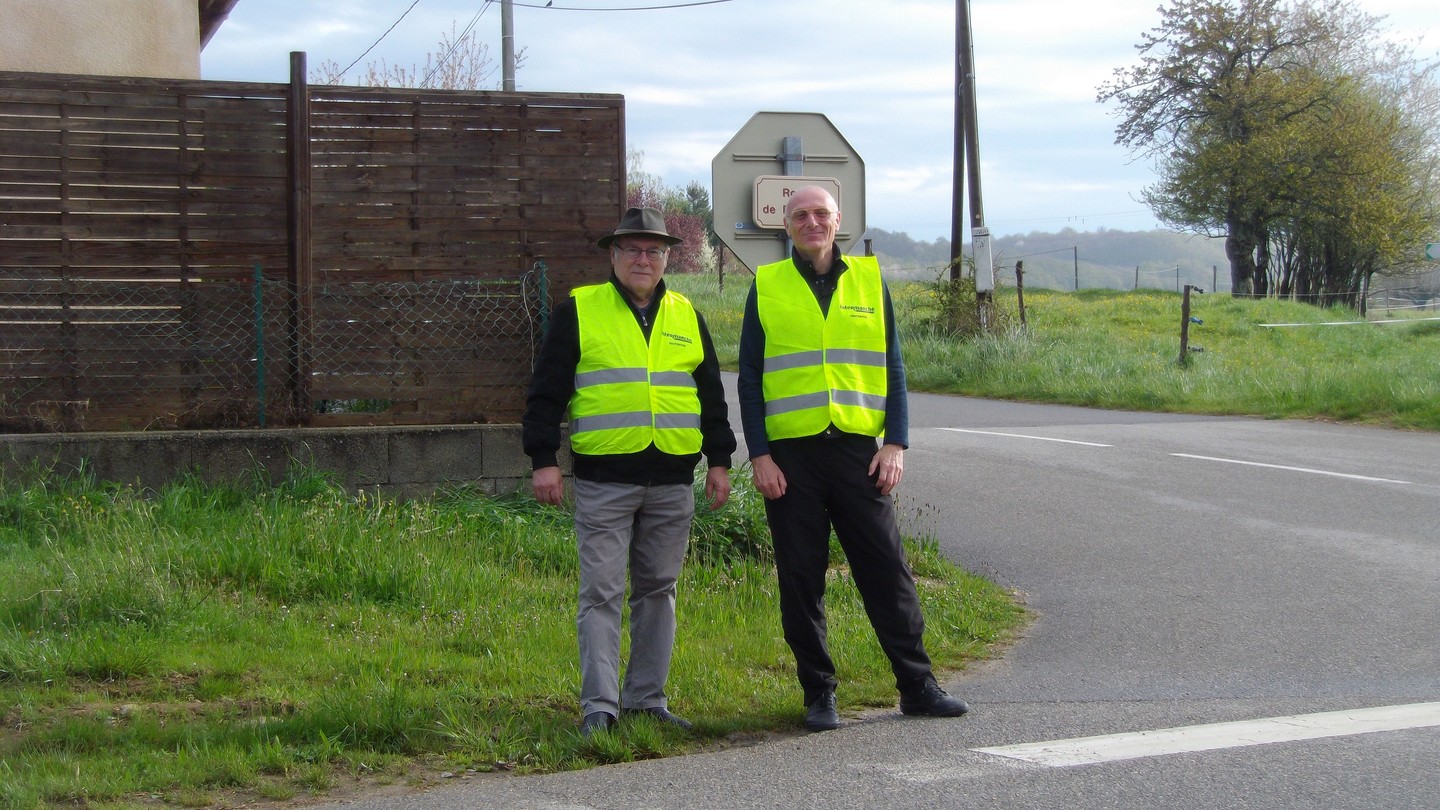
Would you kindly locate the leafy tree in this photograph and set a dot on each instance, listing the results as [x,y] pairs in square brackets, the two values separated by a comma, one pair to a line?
[1278,128]
[697,203]
[688,215]
[1348,205]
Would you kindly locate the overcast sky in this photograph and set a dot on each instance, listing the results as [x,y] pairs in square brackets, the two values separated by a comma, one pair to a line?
[882,71]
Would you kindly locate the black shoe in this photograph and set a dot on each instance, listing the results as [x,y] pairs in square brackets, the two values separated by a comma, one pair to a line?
[820,714]
[661,714]
[931,700]
[596,722]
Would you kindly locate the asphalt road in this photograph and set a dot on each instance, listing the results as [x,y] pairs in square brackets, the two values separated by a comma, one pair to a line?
[1185,572]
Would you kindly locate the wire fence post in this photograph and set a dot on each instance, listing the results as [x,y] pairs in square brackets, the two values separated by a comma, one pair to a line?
[1020,289]
[1185,321]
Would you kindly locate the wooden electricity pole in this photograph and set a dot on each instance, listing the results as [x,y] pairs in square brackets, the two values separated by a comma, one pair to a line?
[967,169]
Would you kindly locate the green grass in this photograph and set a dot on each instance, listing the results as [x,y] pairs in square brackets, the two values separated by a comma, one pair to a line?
[213,645]
[1109,349]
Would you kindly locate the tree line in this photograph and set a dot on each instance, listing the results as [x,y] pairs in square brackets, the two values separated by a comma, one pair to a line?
[1296,132]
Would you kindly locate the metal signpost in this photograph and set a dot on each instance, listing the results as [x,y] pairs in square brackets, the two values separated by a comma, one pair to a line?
[774,154]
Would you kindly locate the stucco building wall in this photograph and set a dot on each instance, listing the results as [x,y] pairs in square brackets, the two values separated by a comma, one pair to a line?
[152,38]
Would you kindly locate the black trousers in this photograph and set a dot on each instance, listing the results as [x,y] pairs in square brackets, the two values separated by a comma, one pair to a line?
[828,485]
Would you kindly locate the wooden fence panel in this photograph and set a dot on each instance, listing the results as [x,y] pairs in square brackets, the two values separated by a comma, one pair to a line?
[148,277]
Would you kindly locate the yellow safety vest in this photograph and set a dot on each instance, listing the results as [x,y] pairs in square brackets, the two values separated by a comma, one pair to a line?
[823,368]
[629,393]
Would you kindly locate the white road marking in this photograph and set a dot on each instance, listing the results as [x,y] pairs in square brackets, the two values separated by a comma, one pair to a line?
[1023,436]
[1292,469]
[1217,736]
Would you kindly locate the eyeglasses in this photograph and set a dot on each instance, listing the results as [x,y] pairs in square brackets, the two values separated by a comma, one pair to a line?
[633,253]
[820,215]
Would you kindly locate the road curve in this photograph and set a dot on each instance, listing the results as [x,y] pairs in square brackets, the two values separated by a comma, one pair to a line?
[1228,613]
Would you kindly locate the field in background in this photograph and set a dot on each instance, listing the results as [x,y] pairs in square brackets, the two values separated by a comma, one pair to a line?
[1121,350]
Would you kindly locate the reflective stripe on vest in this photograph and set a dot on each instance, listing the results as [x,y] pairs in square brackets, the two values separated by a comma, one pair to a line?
[630,393]
[823,369]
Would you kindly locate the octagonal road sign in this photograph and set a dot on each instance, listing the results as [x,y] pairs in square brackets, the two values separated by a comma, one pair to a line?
[790,145]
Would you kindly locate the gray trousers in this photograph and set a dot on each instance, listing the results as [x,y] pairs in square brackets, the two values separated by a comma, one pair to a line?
[646,529]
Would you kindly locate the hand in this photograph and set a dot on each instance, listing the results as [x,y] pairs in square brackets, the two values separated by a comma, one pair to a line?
[769,480]
[717,486]
[549,485]
[889,462]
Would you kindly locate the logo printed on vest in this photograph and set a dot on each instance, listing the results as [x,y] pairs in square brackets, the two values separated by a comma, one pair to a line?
[857,309]
[674,338]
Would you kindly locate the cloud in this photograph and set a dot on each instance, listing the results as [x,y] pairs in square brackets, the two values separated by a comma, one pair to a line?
[882,72]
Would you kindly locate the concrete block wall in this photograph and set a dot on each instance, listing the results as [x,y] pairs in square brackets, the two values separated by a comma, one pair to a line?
[402,462]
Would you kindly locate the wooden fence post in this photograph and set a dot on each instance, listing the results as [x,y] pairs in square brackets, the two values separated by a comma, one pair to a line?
[1020,288]
[1185,324]
[298,227]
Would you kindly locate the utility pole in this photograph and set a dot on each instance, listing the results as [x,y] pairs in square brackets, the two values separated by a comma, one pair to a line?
[957,183]
[967,155]
[507,45]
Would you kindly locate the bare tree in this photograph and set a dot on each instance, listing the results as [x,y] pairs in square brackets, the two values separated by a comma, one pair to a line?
[461,62]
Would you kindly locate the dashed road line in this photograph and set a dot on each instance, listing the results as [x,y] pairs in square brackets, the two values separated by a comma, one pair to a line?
[1024,436]
[1292,469]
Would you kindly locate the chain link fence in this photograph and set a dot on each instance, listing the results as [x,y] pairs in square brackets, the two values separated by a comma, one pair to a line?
[81,354]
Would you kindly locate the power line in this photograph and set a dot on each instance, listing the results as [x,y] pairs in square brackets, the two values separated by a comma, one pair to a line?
[1079,217]
[1046,252]
[440,62]
[456,44]
[382,36]
[627,8]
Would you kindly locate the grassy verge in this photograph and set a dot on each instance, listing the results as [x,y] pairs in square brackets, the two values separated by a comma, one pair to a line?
[222,645]
[210,646]
[1111,349]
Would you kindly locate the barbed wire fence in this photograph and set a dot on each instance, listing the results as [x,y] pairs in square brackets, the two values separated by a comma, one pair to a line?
[1173,278]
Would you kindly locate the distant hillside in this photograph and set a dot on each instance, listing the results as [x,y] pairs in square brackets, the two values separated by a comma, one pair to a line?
[1119,260]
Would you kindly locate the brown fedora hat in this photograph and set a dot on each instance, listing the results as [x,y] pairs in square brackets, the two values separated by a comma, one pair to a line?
[640,222]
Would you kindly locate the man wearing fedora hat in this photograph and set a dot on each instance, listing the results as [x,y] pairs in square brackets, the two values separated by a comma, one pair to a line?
[632,367]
